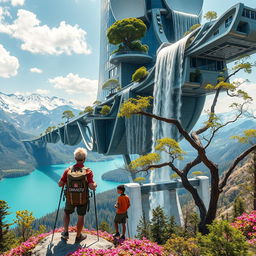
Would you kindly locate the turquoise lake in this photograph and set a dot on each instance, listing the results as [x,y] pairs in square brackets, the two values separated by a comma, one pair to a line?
[39,193]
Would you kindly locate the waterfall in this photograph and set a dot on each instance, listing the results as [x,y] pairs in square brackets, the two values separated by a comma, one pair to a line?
[182,23]
[167,103]
[138,137]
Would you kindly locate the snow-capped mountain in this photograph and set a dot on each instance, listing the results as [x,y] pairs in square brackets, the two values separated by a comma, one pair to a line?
[21,104]
[34,113]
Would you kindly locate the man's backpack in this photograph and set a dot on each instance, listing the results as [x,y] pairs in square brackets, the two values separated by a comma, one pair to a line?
[77,186]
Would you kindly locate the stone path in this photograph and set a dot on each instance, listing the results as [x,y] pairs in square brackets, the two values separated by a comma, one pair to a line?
[61,247]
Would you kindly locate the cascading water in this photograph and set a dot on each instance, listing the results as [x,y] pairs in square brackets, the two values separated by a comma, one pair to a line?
[167,103]
[182,23]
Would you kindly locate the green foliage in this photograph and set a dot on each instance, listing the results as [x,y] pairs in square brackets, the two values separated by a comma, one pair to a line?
[143,229]
[6,237]
[126,34]
[104,226]
[126,31]
[88,109]
[24,221]
[50,129]
[197,173]
[178,246]
[68,114]
[96,102]
[192,28]
[248,136]
[105,110]
[111,83]
[171,147]
[223,239]
[238,207]
[139,74]
[139,179]
[158,226]
[211,15]
[144,161]
[134,106]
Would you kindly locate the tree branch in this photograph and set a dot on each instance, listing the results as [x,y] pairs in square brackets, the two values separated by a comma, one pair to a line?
[234,165]
[154,166]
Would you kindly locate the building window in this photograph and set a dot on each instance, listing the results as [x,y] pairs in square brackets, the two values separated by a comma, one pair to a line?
[228,21]
[249,14]
[113,72]
[206,64]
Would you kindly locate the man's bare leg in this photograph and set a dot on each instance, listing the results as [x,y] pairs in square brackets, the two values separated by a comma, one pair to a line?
[66,220]
[79,225]
[123,229]
[116,227]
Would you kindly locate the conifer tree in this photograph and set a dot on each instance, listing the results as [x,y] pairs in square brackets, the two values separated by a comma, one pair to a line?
[6,236]
[238,207]
[143,229]
[158,226]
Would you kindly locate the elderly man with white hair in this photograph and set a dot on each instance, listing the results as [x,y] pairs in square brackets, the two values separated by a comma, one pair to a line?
[77,179]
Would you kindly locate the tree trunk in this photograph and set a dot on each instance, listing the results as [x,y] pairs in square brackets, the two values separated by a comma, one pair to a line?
[254,180]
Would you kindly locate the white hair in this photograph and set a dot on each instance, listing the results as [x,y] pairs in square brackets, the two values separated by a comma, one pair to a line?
[80,154]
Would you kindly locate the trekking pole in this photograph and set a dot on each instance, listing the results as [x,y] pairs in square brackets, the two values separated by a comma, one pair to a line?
[96,215]
[57,214]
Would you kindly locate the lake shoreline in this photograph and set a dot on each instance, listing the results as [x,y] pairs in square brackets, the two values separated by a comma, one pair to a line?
[16,173]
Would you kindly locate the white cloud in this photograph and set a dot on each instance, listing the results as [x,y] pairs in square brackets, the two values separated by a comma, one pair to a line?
[9,65]
[42,91]
[4,12]
[36,70]
[41,39]
[84,89]
[14,2]
[225,101]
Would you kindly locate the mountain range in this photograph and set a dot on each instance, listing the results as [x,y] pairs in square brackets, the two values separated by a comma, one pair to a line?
[23,117]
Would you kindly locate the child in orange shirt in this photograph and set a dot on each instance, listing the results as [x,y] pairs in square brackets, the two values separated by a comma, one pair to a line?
[122,205]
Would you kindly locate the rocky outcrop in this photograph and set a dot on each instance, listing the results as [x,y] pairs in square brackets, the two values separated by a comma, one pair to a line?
[60,247]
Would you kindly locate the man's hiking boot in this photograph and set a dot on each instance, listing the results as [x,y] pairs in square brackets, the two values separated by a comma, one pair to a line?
[81,238]
[116,235]
[65,235]
[122,237]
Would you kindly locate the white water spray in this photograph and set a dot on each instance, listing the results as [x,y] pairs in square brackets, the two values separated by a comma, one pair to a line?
[182,22]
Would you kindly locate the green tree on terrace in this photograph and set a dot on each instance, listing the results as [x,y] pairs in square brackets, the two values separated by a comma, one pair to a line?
[200,140]
[126,33]
[68,114]
[211,15]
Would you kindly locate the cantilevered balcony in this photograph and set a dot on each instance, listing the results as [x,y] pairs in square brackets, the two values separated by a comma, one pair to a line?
[132,57]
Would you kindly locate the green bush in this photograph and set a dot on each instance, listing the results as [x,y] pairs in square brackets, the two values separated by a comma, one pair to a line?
[179,246]
[111,83]
[126,34]
[126,31]
[139,74]
[105,110]
[223,239]
[88,110]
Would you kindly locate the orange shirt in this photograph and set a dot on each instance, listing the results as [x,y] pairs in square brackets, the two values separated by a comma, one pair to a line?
[123,203]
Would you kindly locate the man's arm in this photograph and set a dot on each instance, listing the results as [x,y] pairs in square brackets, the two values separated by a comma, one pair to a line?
[61,183]
[92,185]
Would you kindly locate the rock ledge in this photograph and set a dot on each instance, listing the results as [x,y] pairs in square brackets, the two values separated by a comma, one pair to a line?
[61,248]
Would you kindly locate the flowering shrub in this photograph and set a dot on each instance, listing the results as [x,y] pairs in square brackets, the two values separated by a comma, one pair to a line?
[128,248]
[247,224]
[26,247]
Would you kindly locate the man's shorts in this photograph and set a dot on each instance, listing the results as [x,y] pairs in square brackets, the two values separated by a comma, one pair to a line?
[80,209]
[121,218]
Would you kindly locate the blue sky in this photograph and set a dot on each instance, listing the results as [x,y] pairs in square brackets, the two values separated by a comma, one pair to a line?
[52,46]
